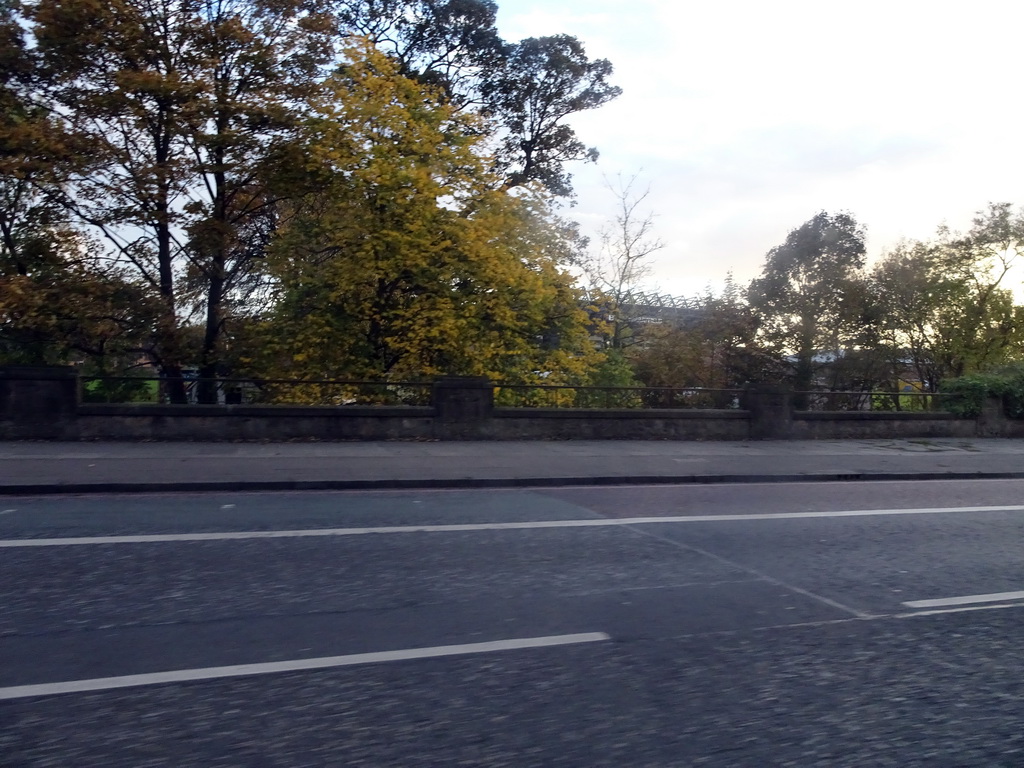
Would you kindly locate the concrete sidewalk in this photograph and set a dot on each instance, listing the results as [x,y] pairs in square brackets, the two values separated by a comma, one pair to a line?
[41,467]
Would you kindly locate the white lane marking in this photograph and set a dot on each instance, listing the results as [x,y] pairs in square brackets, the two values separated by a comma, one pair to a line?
[8,511]
[963,609]
[992,597]
[683,585]
[584,523]
[827,622]
[295,665]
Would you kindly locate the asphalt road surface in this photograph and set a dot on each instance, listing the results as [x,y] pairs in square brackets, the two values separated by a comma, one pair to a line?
[834,624]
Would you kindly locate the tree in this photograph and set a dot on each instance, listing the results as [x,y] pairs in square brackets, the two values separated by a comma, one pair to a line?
[943,307]
[622,262]
[528,89]
[715,347]
[58,305]
[25,214]
[174,130]
[175,110]
[979,325]
[541,83]
[409,261]
[58,302]
[906,293]
[809,297]
[449,44]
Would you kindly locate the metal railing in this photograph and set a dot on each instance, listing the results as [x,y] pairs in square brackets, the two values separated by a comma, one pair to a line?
[566,396]
[247,391]
[869,401]
[332,392]
[341,392]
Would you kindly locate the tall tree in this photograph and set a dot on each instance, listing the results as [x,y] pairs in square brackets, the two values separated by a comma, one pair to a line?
[906,293]
[944,307]
[261,60]
[979,324]
[810,294]
[174,109]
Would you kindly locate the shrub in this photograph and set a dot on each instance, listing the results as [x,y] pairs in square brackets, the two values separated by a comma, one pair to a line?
[966,395]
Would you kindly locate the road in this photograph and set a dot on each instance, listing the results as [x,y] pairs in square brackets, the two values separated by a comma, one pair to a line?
[833,624]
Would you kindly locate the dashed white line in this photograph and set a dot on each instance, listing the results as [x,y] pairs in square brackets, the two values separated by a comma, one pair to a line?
[992,597]
[295,665]
[453,528]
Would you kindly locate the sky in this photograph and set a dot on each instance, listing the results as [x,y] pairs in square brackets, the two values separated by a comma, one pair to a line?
[747,118]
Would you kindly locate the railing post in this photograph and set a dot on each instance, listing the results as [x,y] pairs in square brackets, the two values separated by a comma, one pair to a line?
[462,406]
[771,411]
[38,402]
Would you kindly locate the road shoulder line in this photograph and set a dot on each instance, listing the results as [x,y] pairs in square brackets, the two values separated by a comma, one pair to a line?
[943,602]
[462,527]
[295,665]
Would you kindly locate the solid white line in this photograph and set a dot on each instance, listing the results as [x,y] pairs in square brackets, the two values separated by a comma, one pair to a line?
[962,609]
[326,662]
[993,597]
[584,523]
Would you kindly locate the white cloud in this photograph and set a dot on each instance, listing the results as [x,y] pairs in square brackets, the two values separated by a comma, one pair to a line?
[748,117]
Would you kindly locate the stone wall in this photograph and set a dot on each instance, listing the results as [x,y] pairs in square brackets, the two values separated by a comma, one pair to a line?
[867,425]
[625,424]
[210,423]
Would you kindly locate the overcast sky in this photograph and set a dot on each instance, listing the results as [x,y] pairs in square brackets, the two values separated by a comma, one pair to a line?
[746,118]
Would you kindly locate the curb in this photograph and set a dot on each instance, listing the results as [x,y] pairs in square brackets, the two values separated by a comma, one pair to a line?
[41,489]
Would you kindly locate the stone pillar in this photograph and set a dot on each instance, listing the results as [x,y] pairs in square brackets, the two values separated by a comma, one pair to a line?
[992,421]
[771,411]
[38,402]
[462,406]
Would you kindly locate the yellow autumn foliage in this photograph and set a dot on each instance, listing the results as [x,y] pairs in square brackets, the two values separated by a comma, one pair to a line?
[410,261]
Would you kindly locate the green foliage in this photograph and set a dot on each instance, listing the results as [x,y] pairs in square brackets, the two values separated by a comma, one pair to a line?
[120,390]
[943,308]
[613,371]
[966,395]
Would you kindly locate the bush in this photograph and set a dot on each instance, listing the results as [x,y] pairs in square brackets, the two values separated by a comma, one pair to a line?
[966,395]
